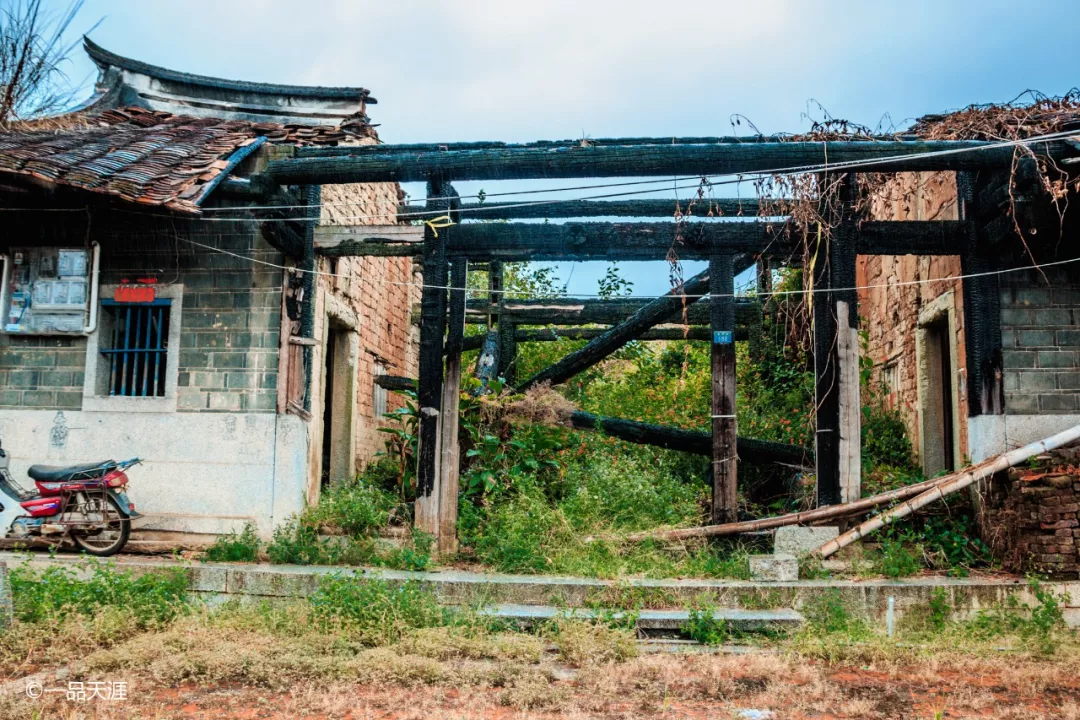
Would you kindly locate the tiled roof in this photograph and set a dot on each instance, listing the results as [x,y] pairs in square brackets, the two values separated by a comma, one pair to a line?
[154,158]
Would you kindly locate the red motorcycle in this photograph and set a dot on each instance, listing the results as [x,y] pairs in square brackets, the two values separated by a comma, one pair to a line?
[87,504]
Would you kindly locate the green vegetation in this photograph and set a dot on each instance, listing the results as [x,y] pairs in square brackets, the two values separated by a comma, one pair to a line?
[539,497]
[235,548]
[55,593]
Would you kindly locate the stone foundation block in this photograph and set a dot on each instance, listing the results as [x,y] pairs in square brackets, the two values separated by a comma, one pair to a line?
[774,568]
[799,541]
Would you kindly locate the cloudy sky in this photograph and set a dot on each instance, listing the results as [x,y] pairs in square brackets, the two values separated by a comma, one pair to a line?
[552,69]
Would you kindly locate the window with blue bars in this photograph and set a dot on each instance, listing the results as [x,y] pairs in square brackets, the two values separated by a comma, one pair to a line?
[137,346]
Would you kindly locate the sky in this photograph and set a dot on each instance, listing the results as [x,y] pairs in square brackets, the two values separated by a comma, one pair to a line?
[553,69]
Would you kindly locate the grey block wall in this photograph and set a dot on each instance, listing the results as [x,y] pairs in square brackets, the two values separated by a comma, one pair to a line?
[1040,339]
[230,324]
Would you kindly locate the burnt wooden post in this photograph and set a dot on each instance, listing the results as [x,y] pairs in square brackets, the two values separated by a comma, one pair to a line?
[441,199]
[309,197]
[725,500]
[450,467]
[836,359]
[982,309]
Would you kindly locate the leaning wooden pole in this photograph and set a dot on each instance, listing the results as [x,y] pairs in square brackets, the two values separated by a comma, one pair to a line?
[596,350]
[799,518]
[725,493]
[429,388]
[949,485]
[449,449]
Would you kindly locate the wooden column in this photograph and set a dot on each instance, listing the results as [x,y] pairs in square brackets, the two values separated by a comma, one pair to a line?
[450,462]
[725,501]
[310,197]
[982,310]
[441,198]
[836,358]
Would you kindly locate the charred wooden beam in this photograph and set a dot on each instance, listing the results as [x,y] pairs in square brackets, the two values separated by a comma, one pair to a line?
[691,333]
[834,276]
[652,313]
[449,448]
[565,311]
[644,241]
[750,450]
[511,210]
[982,304]
[382,163]
[441,196]
[310,198]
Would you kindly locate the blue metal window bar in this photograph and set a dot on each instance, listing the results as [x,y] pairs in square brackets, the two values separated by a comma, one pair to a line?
[137,356]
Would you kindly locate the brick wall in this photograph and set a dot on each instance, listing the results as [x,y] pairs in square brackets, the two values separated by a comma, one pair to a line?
[230,323]
[894,293]
[381,291]
[1033,516]
[41,372]
[1040,339]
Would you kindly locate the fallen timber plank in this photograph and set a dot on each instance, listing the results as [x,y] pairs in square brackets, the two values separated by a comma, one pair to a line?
[652,313]
[950,484]
[696,442]
[381,163]
[520,242]
[510,210]
[800,518]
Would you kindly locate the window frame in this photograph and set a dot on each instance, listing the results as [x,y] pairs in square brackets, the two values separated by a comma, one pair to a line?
[96,397]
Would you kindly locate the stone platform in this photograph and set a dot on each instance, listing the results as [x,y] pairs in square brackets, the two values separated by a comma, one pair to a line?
[869,598]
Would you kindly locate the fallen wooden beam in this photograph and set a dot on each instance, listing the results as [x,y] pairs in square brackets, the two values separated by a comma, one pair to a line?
[948,485]
[697,442]
[652,313]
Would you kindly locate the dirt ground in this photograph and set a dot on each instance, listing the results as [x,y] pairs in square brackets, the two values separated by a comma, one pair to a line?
[696,686]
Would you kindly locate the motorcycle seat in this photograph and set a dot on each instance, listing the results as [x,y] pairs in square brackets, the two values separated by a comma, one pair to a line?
[57,473]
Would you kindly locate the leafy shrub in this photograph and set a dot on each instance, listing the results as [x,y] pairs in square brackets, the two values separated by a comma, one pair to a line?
[235,548]
[896,560]
[357,508]
[884,437]
[703,627]
[152,598]
[826,614]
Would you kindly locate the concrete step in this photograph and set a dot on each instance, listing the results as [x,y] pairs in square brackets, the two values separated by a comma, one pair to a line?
[665,620]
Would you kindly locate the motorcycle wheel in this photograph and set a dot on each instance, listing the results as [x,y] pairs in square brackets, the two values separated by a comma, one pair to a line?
[109,541]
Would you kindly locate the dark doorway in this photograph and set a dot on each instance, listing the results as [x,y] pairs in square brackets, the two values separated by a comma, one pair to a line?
[939,421]
[328,405]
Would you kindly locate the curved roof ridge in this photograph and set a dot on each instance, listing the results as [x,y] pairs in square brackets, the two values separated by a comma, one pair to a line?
[104,58]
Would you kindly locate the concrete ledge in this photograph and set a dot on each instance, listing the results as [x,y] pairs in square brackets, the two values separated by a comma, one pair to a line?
[868,598]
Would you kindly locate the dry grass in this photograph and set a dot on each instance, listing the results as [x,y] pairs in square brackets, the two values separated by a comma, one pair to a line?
[278,663]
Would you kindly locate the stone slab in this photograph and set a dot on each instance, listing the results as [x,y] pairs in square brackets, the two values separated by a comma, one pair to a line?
[798,541]
[774,568]
[649,619]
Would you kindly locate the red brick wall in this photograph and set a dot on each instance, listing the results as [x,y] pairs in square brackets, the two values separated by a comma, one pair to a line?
[381,291]
[892,296]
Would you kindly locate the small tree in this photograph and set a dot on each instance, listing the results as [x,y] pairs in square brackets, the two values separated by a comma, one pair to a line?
[32,51]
